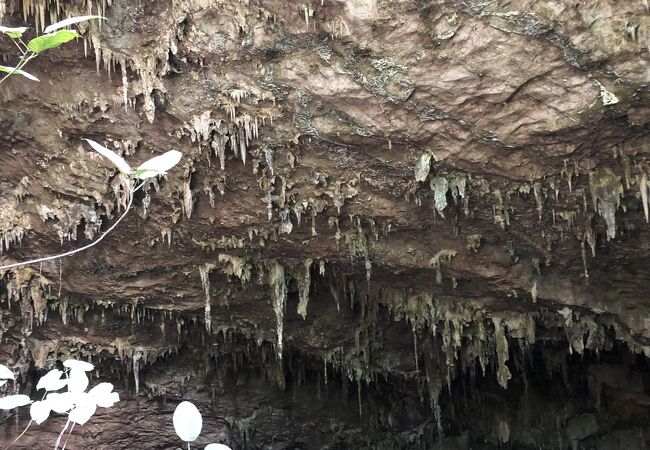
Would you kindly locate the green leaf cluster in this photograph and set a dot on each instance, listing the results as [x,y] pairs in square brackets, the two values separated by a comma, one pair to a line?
[51,40]
[55,35]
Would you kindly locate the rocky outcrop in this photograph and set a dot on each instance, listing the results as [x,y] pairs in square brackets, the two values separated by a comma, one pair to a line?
[396,224]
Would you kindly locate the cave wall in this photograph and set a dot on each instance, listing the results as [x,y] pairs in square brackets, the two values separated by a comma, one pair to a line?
[396,224]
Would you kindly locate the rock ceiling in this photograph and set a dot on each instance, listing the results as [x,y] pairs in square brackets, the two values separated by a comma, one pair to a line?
[396,223]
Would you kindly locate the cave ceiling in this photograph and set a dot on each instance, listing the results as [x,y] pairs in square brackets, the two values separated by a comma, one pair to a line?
[396,223]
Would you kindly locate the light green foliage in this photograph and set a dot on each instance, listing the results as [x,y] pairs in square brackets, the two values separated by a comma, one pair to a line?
[53,40]
[54,37]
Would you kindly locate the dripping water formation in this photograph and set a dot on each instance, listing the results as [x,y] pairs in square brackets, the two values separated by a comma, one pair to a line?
[395,225]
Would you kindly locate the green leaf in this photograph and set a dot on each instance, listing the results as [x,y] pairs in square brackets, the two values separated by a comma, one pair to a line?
[13,70]
[70,21]
[52,40]
[13,33]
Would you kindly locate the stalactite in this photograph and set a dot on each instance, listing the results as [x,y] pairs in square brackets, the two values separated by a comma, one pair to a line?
[136,371]
[533,292]
[440,186]
[537,191]
[583,254]
[422,167]
[278,286]
[304,283]
[503,373]
[167,235]
[204,271]
[188,197]
[438,258]
[606,192]
[218,144]
[642,182]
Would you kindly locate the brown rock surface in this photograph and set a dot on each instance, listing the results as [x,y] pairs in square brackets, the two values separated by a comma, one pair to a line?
[451,194]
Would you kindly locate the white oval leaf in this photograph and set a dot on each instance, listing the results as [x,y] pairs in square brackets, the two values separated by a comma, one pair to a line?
[76,364]
[14,401]
[113,157]
[158,165]
[187,421]
[83,410]
[77,380]
[52,381]
[109,400]
[13,32]
[40,411]
[60,403]
[103,395]
[101,389]
[69,21]
[217,447]
[13,70]
[6,373]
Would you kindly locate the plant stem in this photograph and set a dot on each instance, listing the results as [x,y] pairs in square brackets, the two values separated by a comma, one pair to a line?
[66,439]
[20,435]
[22,52]
[85,247]
[23,61]
[58,441]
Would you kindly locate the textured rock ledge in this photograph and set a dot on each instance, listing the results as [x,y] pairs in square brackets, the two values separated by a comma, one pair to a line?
[397,224]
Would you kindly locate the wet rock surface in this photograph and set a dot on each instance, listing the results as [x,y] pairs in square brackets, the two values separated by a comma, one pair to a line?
[396,224]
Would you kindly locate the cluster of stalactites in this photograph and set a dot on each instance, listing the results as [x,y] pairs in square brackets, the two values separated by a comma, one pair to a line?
[44,11]
[464,335]
[31,290]
[217,135]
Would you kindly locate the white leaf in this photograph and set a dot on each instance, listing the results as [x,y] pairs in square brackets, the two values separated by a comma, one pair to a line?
[75,364]
[70,21]
[101,389]
[60,403]
[14,401]
[13,70]
[77,380]
[187,421]
[14,30]
[2,382]
[217,447]
[109,400]
[52,381]
[40,411]
[83,410]
[103,395]
[116,159]
[6,373]
[158,165]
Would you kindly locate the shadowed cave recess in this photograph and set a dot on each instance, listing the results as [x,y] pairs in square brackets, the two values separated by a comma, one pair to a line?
[397,224]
